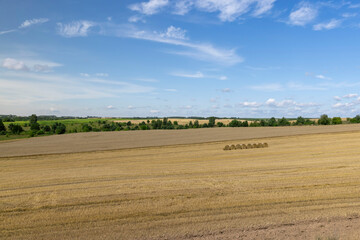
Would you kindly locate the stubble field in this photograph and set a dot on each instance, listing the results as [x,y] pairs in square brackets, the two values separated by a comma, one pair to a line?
[301,187]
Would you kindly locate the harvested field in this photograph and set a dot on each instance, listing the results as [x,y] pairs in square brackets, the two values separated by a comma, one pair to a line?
[295,189]
[98,141]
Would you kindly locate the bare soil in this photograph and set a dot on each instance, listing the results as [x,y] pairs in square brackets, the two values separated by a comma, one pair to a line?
[99,141]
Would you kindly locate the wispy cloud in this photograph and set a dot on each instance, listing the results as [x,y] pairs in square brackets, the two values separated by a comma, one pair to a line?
[75,29]
[320,76]
[174,32]
[198,74]
[26,24]
[29,65]
[228,10]
[110,107]
[351,95]
[188,75]
[201,51]
[226,90]
[149,8]
[232,9]
[333,23]
[337,98]
[30,22]
[8,31]
[286,103]
[249,104]
[14,64]
[29,87]
[304,14]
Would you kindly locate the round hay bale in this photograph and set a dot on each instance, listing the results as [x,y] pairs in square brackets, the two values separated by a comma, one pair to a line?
[227,147]
[244,146]
[238,146]
[249,146]
[232,147]
[255,145]
[260,145]
[266,145]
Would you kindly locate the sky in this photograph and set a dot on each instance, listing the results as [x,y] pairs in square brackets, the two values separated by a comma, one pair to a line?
[158,58]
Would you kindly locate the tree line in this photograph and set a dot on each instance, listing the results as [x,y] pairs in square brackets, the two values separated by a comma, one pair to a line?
[34,128]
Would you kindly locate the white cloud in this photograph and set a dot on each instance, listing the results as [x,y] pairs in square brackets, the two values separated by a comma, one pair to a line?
[130,107]
[42,68]
[170,90]
[351,95]
[349,15]
[149,8]
[226,90]
[8,31]
[230,10]
[343,105]
[223,78]
[337,98]
[14,64]
[102,74]
[189,75]
[53,110]
[354,6]
[29,65]
[319,76]
[31,87]
[183,6]
[174,32]
[84,74]
[154,111]
[333,23]
[150,80]
[110,107]
[28,23]
[303,15]
[249,104]
[287,103]
[75,29]
[136,18]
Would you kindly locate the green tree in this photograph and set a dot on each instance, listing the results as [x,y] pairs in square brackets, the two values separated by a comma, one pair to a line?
[272,122]
[234,123]
[211,122]
[196,124]
[2,126]
[283,122]
[336,120]
[324,120]
[58,128]
[34,125]
[356,119]
[245,124]
[86,128]
[220,124]
[15,128]
[300,121]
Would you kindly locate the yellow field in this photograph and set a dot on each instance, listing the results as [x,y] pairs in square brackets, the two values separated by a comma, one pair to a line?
[301,187]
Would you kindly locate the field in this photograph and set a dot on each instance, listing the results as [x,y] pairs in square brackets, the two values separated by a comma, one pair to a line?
[304,186]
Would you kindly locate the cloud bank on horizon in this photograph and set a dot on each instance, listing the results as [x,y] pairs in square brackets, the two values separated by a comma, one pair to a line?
[241,58]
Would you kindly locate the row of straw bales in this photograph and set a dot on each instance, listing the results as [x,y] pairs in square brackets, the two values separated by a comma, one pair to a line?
[246,146]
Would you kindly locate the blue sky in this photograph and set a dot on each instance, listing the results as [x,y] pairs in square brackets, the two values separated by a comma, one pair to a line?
[229,58]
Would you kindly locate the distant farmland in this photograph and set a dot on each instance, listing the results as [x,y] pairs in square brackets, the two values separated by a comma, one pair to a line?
[301,186]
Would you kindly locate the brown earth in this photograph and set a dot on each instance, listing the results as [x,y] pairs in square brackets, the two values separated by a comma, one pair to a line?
[301,187]
[99,141]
